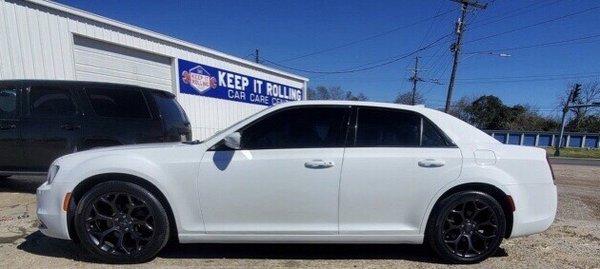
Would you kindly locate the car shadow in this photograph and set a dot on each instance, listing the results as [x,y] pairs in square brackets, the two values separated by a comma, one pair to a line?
[38,244]
[22,184]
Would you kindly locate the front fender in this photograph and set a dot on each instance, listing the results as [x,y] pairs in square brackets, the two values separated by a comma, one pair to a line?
[167,176]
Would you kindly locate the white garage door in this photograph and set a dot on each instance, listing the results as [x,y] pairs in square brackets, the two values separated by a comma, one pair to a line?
[101,61]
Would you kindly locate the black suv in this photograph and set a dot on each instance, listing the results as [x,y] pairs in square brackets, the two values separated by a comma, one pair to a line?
[43,120]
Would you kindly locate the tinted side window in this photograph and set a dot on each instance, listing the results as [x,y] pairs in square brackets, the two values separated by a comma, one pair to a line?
[432,136]
[170,110]
[49,102]
[118,103]
[8,103]
[383,127]
[305,127]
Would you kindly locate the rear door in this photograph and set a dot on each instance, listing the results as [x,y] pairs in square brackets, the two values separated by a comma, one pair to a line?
[51,126]
[11,151]
[397,162]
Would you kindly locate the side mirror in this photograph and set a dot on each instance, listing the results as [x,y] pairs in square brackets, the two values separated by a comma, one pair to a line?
[233,141]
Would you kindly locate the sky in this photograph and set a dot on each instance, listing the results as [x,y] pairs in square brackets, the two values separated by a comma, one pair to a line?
[309,37]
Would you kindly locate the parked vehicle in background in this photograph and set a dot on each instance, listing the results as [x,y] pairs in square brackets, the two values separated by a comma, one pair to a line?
[42,120]
[409,175]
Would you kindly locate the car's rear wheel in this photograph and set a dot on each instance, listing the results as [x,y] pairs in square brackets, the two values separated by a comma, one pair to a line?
[466,227]
[121,222]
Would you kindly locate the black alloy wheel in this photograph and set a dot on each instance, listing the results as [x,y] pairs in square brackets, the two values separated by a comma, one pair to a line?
[467,227]
[121,222]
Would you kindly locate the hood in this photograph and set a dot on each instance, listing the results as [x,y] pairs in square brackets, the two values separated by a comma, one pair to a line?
[128,149]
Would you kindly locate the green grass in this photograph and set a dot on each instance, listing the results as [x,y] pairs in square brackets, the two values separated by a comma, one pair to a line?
[575,152]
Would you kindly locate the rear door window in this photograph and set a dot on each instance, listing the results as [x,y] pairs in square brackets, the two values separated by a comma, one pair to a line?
[387,128]
[8,103]
[118,103]
[50,103]
[396,128]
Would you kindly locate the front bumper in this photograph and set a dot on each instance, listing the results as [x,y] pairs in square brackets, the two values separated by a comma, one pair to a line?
[49,210]
[535,208]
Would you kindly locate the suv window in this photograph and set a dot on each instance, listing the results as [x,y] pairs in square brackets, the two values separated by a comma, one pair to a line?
[395,128]
[118,103]
[170,110]
[303,127]
[8,103]
[50,103]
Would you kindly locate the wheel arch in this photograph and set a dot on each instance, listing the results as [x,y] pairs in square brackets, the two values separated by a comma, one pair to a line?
[88,183]
[503,199]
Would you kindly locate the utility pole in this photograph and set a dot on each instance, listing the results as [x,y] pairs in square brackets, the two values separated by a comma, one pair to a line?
[573,94]
[256,58]
[460,27]
[415,78]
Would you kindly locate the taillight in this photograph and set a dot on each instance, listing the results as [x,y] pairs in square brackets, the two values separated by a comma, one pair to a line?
[551,170]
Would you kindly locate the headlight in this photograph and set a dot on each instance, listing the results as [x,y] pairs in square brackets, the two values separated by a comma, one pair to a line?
[52,173]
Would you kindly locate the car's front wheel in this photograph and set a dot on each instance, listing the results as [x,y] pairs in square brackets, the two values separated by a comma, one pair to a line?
[466,227]
[121,222]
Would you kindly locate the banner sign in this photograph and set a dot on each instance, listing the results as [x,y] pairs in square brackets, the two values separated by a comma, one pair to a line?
[203,80]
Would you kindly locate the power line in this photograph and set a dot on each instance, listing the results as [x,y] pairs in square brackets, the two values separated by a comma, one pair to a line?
[487,79]
[527,80]
[513,13]
[534,25]
[358,69]
[553,43]
[366,38]
[534,76]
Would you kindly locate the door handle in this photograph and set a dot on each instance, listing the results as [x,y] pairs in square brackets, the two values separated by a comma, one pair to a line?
[70,127]
[318,164]
[431,163]
[8,126]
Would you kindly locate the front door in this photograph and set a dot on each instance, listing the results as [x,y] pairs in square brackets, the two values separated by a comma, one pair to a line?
[11,153]
[51,126]
[397,162]
[285,178]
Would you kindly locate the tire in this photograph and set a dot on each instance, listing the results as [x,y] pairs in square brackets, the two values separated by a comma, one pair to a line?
[466,227]
[121,222]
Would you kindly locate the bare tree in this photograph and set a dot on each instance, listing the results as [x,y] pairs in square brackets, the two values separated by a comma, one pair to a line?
[405,98]
[460,107]
[334,93]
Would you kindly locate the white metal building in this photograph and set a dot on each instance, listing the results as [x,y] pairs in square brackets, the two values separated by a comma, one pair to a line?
[46,40]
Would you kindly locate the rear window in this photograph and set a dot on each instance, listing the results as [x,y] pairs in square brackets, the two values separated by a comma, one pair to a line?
[169,109]
[119,103]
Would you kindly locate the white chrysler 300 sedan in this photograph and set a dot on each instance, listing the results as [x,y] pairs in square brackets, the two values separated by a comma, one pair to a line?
[310,172]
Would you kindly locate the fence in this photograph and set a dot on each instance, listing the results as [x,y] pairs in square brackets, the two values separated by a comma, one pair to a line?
[546,139]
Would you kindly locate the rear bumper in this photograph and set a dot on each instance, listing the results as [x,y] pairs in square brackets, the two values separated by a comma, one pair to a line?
[49,211]
[535,208]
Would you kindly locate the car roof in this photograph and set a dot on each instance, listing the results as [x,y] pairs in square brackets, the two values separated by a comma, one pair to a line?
[77,83]
[418,108]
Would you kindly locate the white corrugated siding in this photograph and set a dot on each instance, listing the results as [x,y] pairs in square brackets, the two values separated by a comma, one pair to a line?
[37,42]
[101,61]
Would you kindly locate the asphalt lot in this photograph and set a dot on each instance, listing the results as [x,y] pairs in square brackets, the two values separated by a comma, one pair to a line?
[573,241]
